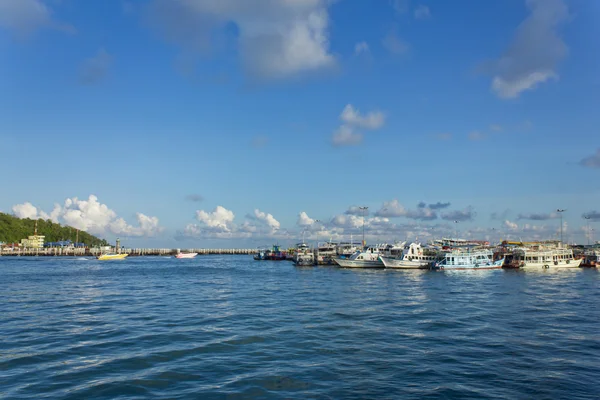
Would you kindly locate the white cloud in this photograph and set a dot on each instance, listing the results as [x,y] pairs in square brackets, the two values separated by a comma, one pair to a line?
[353,117]
[267,219]
[221,219]
[513,226]
[304,219]
[25,17]
[277,39]
[348,134]
[535,51]
[91,216]
[422,12]
[361,47]
[392,209]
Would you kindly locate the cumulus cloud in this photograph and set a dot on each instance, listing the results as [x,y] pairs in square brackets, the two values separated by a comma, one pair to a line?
[91,216]
[467,214]
[304,219]
[268,219]
[512,226]
[352,121]
[25,17]
[592,161]
[355,210]
[391,209]
[95,69]
[422,12]
[536,50]
[276,39]
[220,219]
[538,216]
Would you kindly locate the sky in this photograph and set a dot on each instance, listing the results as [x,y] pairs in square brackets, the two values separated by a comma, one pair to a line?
[234,124]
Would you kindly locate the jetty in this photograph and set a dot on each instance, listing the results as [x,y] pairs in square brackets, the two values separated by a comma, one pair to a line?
[93,252]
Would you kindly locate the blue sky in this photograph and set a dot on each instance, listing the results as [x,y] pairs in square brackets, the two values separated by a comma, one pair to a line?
[238,123]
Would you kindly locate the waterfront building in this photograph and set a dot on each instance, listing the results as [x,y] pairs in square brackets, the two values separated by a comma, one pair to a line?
[33,242]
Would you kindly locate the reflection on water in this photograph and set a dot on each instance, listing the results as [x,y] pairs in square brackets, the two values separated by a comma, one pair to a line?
[228,326]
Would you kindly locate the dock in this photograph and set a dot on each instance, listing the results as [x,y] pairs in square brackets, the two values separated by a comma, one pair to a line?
[87,252]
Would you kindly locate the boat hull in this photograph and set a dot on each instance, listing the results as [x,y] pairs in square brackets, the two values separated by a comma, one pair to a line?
[106,257]
[471,267]
[345,263]
[394,263]
[552,265]
[186,255]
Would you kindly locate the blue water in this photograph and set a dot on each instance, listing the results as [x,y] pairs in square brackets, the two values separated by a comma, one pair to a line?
[228,327]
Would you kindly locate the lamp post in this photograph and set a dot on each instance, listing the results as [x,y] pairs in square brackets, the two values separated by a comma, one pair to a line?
[363,209]
[560,211]
[316,222]
[456,230]
[587,232]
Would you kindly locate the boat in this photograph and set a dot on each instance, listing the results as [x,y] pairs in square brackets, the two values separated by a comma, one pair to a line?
[368,258]
[186,255]
[112,256]
[591,258]
[303,256]
[326,252]
[468,258]
[273,254]
[413,256]
[261,254]
[543,257]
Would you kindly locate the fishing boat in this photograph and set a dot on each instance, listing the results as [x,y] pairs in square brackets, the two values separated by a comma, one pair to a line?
[543,257]
[459,259]
[186,255]
[305,260]
[112,256]
[261,254]
[413,256]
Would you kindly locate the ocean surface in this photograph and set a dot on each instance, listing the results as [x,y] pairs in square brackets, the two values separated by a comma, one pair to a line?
[229,327]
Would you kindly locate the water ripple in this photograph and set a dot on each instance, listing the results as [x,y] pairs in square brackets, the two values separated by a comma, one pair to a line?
[227,327]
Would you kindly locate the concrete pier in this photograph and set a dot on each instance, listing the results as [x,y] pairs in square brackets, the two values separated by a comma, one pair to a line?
[84,252]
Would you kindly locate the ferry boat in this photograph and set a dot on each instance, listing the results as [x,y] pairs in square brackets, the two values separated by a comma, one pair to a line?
[539,257]
[112,256]
[413,256]
[186,255]
[460,259]
[369,258]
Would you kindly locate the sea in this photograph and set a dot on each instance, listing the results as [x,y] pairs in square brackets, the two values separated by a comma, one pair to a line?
[229,327]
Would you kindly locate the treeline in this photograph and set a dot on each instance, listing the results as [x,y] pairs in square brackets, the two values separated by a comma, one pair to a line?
[13,229]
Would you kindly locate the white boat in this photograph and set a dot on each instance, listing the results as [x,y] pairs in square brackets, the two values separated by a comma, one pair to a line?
[369,258]
[541,257]
[186,255]
[303,256]
[326,252]
[591,258]
[468,259]
[413,256]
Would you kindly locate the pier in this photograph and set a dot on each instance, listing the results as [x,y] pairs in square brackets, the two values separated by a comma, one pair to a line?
[86,252]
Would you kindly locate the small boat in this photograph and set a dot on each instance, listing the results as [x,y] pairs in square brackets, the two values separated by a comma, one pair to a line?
[326,252]
[186,255]
[591,258]
[112,256]
[468,259]
[414,256]
[303,256]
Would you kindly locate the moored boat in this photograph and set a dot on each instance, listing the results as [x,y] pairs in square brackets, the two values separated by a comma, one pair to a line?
[326,252]
[413,256]
[368,258]
[471,259]
[542,257]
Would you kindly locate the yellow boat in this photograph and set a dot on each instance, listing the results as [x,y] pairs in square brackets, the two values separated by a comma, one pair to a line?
[112,256]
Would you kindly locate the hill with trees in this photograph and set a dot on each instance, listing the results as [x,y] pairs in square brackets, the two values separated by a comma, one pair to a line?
[13,229]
